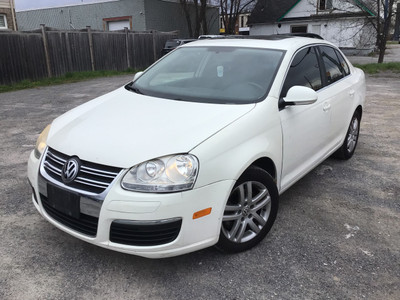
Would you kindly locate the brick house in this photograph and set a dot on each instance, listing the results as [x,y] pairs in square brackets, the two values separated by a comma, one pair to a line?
[7,15]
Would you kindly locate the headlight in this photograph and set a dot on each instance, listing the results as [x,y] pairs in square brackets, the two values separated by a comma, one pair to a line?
[164,174]
[41,142]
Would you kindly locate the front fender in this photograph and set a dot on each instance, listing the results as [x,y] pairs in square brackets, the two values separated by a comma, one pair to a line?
[228,153]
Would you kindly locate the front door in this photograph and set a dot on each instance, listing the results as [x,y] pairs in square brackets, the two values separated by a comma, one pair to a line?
[305,128]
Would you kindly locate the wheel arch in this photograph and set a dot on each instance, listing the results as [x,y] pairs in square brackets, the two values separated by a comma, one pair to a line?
[359,109]
[267,165]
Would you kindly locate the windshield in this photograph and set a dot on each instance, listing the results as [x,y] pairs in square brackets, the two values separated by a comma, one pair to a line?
[211,74]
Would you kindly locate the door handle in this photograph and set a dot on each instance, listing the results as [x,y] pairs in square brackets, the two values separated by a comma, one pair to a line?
[326,107]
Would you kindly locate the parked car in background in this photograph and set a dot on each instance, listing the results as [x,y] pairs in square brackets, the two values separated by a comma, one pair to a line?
[196,150]
[174,43]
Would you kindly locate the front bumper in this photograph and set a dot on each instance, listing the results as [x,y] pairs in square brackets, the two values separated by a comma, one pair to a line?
[120,205]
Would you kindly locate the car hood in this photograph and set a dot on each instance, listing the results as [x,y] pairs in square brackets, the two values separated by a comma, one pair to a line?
[123,129]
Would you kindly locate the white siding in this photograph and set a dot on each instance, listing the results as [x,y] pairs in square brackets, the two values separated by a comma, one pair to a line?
[5,4]
[304,8]
[344,33]
[344,6]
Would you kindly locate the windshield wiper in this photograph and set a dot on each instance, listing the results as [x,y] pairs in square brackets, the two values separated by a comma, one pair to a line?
[130,87]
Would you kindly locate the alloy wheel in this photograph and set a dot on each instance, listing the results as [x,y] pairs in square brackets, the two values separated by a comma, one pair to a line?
[352,135]
[246,212]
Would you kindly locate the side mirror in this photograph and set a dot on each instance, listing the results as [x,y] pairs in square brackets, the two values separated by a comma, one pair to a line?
[137,75]
[300,95]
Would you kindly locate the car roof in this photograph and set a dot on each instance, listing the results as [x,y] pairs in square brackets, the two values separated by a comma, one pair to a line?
[279,42]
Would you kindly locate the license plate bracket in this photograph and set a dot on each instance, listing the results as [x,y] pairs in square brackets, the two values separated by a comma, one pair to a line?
[64,201]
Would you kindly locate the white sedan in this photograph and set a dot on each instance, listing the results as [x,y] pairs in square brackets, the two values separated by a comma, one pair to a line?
[197,149]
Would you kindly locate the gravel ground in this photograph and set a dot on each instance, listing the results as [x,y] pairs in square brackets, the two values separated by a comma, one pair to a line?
[392,54]
[337,235]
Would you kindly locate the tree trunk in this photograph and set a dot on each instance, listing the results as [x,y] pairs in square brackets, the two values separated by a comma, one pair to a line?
[382,47]
[203,16]
[187,16]
[385,32]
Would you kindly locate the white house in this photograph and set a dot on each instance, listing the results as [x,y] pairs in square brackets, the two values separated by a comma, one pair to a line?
[346,23]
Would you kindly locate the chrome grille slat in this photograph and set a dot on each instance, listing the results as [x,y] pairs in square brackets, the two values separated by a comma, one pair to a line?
[56,158]
[91,182]
[100,171]
[52,168]
[97,173]
[92,178]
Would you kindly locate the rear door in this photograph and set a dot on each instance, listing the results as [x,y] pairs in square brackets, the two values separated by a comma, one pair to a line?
[338,89]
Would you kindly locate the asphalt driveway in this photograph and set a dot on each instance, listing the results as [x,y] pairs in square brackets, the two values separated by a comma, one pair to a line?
[337,234]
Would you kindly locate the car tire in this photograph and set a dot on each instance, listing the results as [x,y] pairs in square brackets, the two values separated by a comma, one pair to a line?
[250,211]
[348,147]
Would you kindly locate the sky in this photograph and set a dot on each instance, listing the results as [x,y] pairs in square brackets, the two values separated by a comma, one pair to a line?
[33,4]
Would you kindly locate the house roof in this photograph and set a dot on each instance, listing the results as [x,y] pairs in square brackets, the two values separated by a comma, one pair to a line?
[271,11]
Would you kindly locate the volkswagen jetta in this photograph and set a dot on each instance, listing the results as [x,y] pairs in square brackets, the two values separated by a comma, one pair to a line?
[196,150]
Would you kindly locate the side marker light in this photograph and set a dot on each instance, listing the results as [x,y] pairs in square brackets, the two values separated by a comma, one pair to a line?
[201,213]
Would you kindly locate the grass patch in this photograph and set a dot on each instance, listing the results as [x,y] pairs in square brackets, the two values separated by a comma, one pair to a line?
[67,78]
[376,68]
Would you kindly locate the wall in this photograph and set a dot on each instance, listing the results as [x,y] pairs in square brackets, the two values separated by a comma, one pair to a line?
[168,16]
[80,16]
[306,8]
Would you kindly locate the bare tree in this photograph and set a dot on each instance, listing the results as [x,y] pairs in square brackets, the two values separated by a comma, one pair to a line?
[230,11]
[383,25]
[383,11]
[378,15]
[196,16]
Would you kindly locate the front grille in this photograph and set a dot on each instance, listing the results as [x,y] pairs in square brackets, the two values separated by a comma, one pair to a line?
[92,178]
[84,224]
[142,234]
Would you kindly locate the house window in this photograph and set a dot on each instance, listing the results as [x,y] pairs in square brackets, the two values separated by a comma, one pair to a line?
[3,22]
[118,23]
[243,21]
[325,4]
[298,29]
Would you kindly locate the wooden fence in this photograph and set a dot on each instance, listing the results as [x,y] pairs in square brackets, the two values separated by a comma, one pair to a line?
[50,53]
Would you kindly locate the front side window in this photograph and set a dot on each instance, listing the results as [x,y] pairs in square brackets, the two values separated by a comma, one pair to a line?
[304,71]
[211,74]
[333,68]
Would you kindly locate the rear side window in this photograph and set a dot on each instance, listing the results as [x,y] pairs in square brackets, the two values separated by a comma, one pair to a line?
[343,63]
[333,68]
[304,71]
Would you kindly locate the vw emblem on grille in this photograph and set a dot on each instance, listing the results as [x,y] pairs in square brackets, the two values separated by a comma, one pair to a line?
[70,170]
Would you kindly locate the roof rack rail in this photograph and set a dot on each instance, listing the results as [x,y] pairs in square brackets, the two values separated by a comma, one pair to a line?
[305,34]
[263,37]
